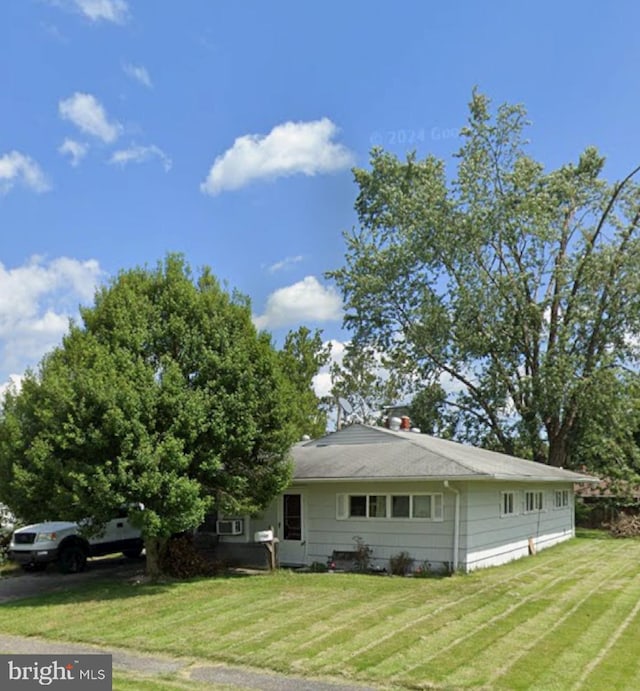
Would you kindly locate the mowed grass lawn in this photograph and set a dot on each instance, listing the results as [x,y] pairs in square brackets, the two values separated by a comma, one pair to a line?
[567,618]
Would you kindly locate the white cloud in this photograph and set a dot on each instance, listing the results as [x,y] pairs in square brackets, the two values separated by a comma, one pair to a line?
[322,381]
[14,382]
[290,148]
[140,154]
[19,168]
[75,150]
[138,73]
[284,263]
[305,301]
[88,114]
[116,11]
[36,302]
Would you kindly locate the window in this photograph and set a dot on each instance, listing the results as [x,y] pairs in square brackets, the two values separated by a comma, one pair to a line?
[400,506]
[533,501]
[508,504]
[367,506]
[378,506]
[358,506]
[561,499]
[407,506]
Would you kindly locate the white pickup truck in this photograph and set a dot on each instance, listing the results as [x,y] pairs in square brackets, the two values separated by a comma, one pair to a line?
[35,546]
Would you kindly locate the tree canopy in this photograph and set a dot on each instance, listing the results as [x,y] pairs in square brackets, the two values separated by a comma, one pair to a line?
[512,288]
[164,394]
[301,357]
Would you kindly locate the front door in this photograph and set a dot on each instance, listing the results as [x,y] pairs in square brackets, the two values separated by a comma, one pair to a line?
[292,546]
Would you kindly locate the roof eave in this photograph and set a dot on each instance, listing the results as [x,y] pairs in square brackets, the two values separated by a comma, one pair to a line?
[441,478]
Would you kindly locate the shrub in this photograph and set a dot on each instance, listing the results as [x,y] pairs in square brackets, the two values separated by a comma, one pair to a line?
[318,567]
[624,526]
[425,570]
[400,564]
[183,560]
[5,538]
[363,554]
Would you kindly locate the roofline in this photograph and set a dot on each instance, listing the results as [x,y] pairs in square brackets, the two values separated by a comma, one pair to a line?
[442,478]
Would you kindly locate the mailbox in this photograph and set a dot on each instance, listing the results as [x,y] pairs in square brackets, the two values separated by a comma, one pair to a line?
[263,536]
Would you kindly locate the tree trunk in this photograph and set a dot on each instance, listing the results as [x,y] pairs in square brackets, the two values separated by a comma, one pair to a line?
[558,452]
[155,548]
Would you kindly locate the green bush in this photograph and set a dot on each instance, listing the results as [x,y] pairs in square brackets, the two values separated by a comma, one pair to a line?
[363,554]
[400,564]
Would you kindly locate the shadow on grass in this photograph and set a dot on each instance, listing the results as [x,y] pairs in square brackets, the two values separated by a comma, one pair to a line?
[110,586]
[593,534]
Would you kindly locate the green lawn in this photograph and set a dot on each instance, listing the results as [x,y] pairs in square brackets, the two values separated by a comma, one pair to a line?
[567,618]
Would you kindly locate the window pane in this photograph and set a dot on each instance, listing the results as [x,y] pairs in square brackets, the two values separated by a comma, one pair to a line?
[422,506]
[357,506]
[292,517]
[400,506]
[437,507]
[507,503]
[378,506]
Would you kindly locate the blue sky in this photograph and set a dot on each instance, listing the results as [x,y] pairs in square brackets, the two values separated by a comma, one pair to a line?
[227,131]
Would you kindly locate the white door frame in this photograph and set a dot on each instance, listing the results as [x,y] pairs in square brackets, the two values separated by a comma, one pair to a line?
[292,551]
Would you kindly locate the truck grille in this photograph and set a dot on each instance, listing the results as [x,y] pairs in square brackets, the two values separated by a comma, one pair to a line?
[24,538]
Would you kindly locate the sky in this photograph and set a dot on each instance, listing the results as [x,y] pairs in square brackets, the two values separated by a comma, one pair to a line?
[228,131]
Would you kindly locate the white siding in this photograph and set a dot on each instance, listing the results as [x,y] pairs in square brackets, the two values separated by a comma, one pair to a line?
[493,538]
[425,540]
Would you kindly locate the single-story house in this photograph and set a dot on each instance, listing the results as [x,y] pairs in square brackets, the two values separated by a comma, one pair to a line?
[449,505]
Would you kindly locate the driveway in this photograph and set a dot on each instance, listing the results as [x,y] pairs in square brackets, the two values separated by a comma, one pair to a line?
[23,585]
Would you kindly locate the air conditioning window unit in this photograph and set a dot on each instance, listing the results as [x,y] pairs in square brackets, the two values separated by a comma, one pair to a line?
[233,526]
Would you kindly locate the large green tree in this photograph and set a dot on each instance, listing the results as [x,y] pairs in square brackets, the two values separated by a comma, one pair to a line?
[362,384]
[301,358]
[514,287]
[164,394]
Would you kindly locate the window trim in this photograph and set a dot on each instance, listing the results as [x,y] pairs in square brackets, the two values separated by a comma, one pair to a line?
[537,501]
[343,506]
[513,506]
[565,500]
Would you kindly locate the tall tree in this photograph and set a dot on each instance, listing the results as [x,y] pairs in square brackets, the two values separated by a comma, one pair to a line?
[517,285]
[301,358]
[363,384]
[165,395]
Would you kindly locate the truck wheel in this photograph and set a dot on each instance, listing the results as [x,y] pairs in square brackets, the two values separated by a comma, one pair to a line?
[72,559]
[132,553]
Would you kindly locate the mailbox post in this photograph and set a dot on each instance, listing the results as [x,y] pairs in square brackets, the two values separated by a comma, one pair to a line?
[270,542]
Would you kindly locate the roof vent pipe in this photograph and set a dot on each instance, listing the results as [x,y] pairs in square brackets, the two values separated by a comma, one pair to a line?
[394,424]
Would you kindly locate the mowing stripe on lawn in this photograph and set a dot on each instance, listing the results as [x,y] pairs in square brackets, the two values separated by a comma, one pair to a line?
[620,669]
[580,639]
[389,639]
[608,646]
[555,616]
[480,628]
[513,661]
[369,637]
[267,636]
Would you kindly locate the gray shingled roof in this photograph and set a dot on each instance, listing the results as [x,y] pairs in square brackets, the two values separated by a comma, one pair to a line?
[360,452]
